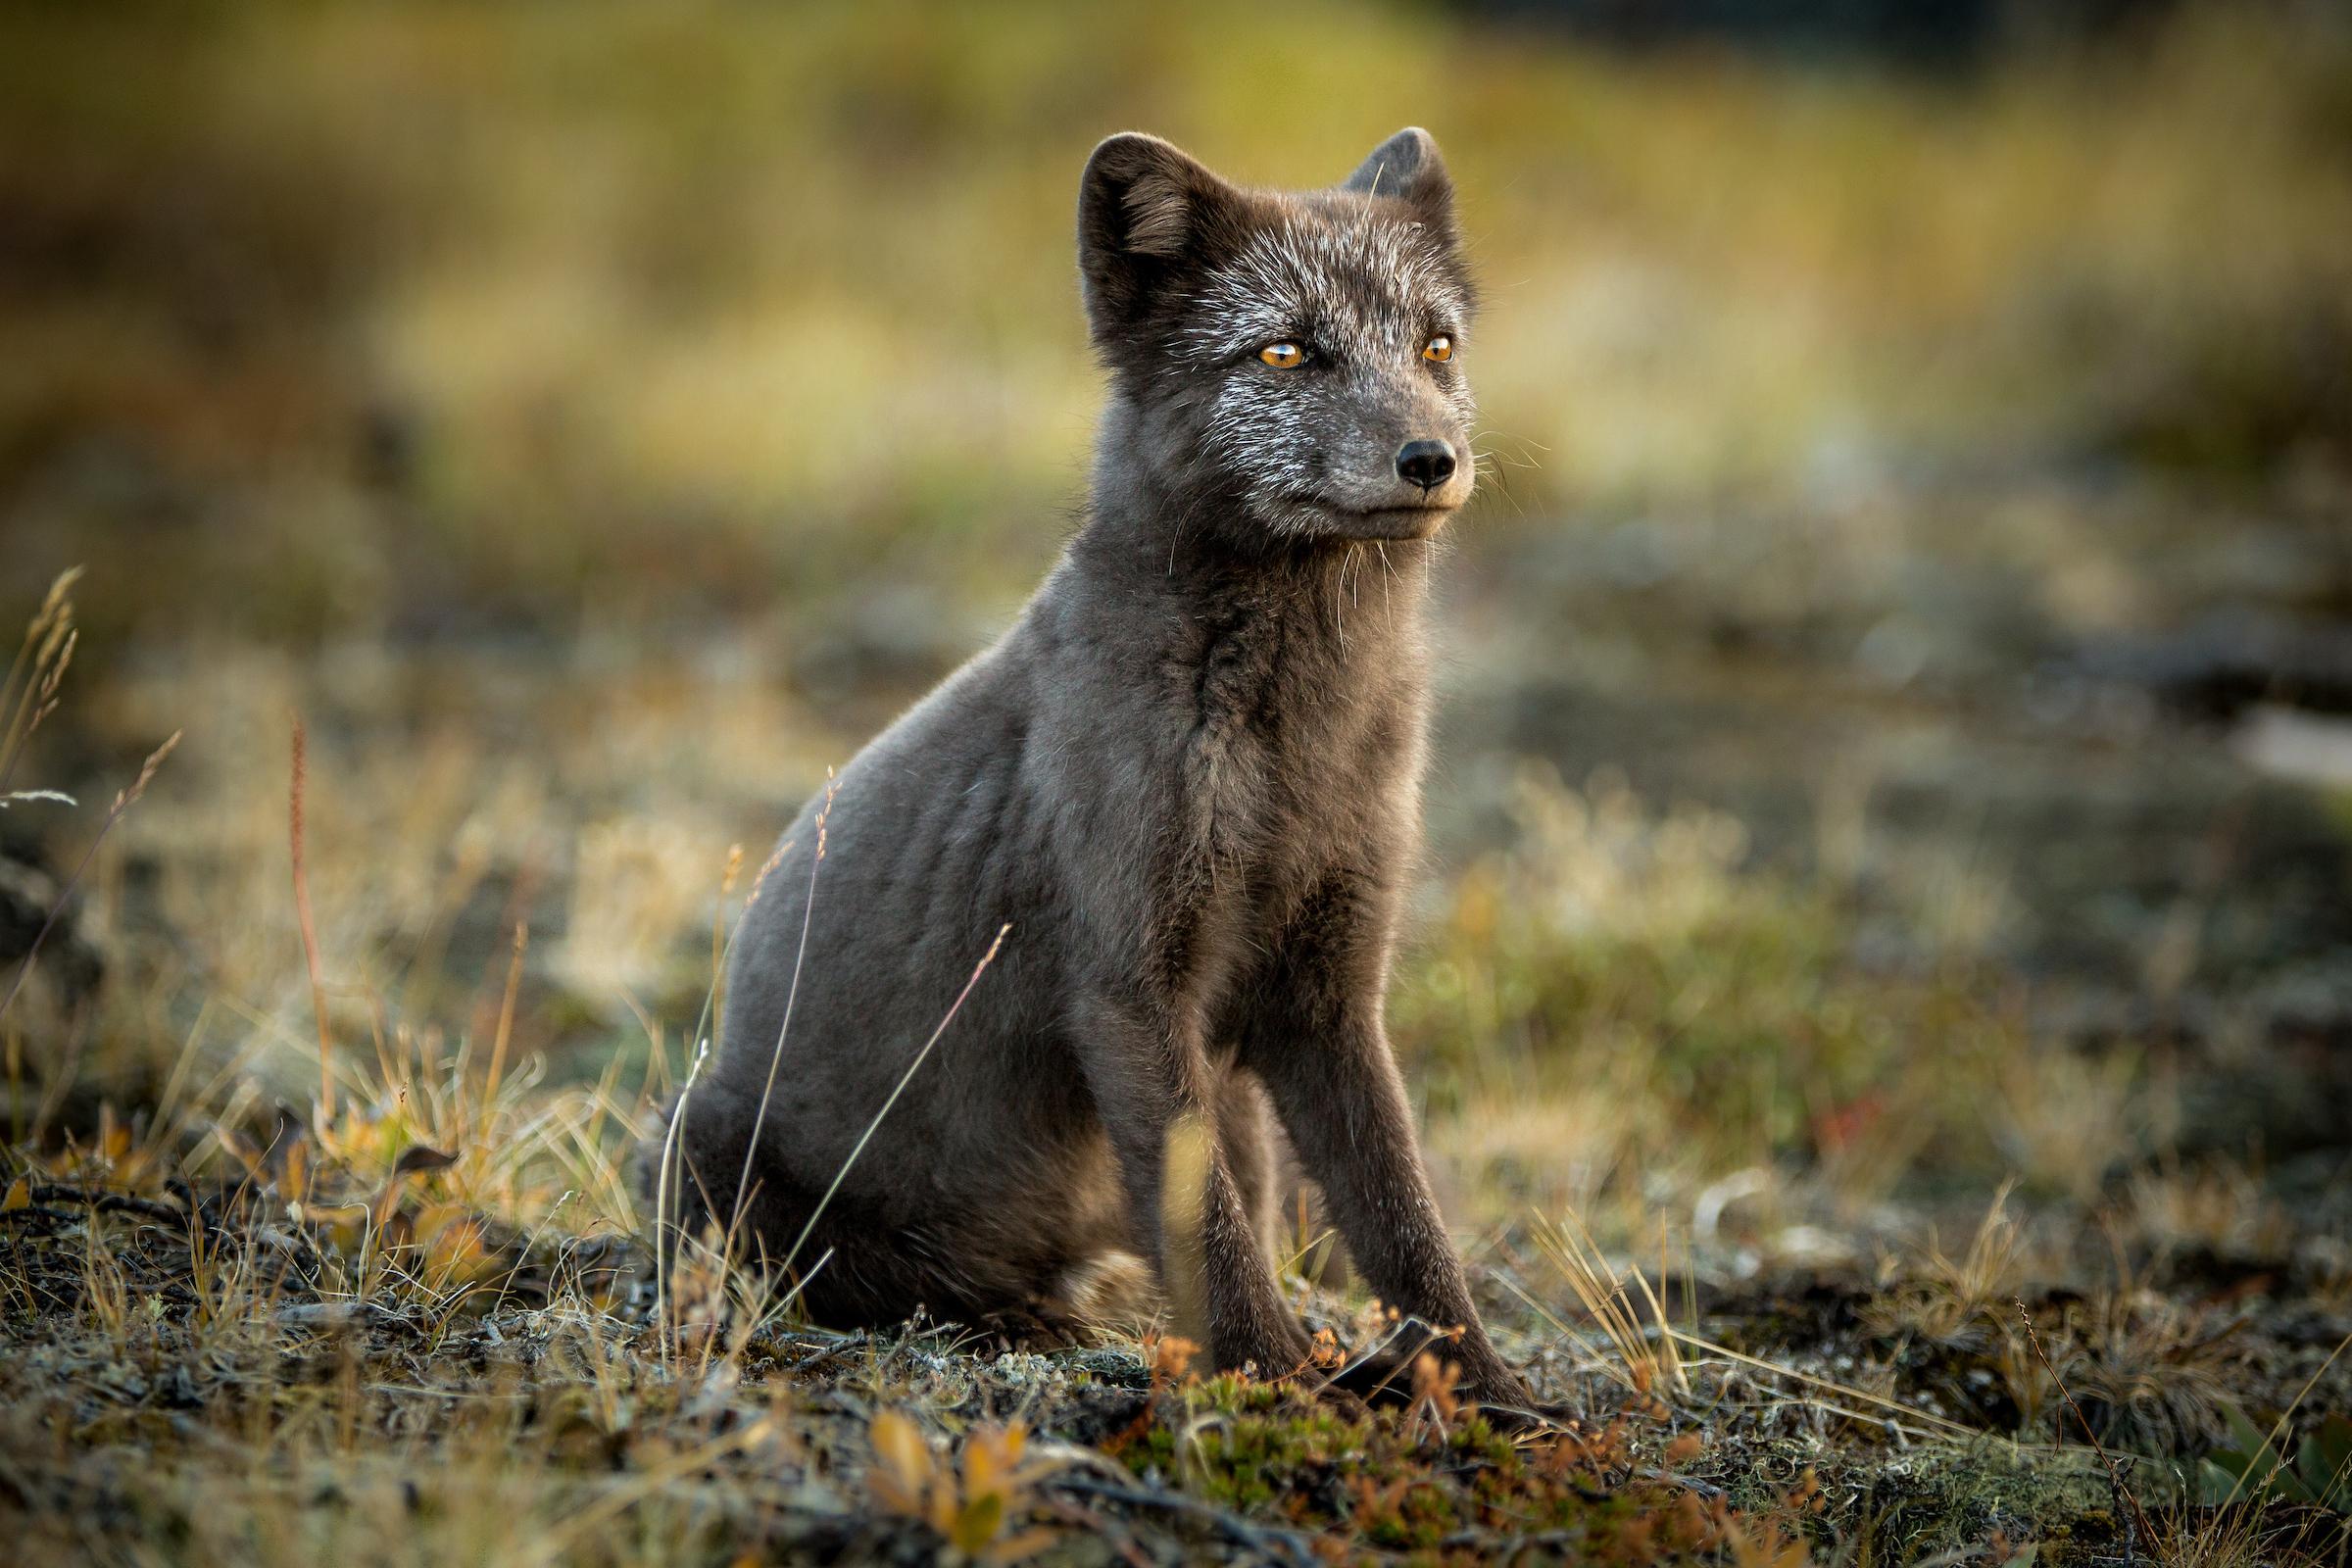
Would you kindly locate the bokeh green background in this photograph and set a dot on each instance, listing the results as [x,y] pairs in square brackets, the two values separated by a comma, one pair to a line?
[326,320]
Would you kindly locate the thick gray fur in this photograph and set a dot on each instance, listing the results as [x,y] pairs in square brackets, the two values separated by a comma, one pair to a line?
[1187,778]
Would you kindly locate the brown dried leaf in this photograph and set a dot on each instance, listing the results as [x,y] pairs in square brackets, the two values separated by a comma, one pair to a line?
[421,1156]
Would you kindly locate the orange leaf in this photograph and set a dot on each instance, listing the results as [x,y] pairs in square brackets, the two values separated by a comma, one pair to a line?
[983,1466]
[901,1446]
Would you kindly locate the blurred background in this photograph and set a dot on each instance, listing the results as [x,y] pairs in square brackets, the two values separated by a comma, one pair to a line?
[1897,728]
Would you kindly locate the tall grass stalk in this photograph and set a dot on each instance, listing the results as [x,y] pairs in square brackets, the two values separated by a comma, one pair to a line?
[298,771]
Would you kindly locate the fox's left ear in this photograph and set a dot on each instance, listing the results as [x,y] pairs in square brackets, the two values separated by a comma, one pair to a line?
[1408,167]
[1146,211]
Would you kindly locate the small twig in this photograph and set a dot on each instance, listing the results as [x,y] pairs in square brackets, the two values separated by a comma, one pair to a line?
[2115,1477]
[1666,1478]
[791,995]
[111,1202]
[1847,1390]
[505,1023]
[1266,1540]
[310,931]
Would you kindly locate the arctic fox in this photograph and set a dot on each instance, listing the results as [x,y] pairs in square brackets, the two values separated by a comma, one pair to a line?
[1188,781]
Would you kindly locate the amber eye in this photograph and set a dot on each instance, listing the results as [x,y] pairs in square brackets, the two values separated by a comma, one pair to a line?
[1438,348]
[1282,356]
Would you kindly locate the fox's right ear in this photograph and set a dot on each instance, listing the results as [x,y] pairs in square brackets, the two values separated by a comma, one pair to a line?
[1408,167]
[1145,211]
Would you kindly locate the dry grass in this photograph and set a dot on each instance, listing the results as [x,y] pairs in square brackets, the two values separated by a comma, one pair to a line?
[1646,1358]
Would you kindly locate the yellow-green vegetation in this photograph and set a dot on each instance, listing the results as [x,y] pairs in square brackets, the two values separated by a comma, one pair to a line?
[589,421]
[1703,1015]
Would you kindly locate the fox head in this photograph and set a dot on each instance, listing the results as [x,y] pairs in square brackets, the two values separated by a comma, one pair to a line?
[1294,356]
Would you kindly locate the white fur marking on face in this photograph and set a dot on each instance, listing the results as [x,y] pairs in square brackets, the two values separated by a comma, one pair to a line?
[1365,296]
[1367,289]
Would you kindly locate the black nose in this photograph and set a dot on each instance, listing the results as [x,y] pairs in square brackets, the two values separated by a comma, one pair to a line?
[1427,464]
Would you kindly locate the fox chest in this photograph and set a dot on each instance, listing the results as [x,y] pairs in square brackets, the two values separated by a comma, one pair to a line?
[1279,782]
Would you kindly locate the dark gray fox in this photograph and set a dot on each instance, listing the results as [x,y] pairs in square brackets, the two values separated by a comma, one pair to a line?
[1187,780]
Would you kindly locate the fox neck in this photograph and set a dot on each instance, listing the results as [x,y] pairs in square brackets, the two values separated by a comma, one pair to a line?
[1149,540]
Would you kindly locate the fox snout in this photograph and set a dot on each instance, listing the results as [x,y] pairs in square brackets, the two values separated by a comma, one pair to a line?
[1427,464]
[1375,488]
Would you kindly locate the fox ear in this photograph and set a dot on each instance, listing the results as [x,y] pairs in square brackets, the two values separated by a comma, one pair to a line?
[1145,209]
[1408,167]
